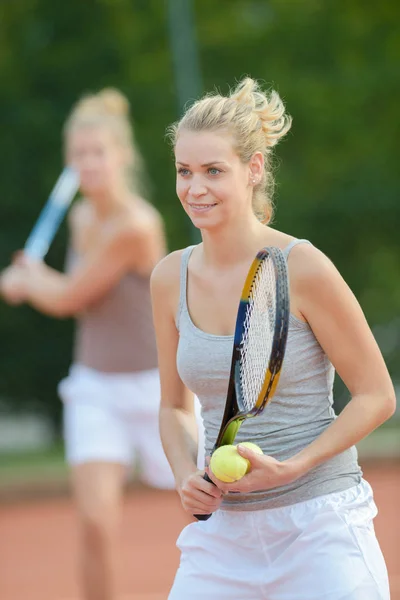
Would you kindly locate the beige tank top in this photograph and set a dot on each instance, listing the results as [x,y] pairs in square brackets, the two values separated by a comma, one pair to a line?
[116,334]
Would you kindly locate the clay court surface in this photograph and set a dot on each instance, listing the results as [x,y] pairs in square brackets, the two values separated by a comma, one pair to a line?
[37,542]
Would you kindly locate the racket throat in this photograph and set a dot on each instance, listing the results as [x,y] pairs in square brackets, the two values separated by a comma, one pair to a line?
[227,436]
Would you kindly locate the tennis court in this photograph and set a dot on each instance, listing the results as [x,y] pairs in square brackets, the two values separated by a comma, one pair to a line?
[37,542]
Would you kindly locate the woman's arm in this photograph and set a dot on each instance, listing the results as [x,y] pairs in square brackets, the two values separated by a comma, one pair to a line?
[337,321]
[127,246]
[178,426]
[339,325]
[63,295]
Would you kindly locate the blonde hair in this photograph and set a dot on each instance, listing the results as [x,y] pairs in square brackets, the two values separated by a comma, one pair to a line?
[257,121]
[111,108]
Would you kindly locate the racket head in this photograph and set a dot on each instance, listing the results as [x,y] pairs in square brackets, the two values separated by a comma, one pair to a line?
[260,337]
[259,342]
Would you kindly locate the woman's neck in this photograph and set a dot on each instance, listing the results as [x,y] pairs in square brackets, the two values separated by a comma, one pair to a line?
[110,202]
[234,243]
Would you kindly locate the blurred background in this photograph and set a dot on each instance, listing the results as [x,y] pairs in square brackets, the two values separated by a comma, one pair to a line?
[336,65]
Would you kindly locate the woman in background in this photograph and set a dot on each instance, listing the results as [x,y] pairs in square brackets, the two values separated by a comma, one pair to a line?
[111,395]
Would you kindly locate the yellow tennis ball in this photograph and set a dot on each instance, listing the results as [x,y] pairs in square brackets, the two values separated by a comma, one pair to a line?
[252,447]
[227,464]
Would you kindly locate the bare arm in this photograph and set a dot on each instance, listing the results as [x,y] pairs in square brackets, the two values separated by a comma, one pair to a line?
[127,246]
[339,325]
[62,295]
[177,420]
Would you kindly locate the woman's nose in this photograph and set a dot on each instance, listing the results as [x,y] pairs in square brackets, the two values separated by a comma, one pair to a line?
[197,189]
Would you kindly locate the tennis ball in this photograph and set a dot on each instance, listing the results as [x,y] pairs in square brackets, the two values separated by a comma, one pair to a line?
[227,464]
[252,447]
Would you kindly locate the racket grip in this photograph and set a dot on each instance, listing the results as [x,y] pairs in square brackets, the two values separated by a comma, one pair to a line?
[204,517]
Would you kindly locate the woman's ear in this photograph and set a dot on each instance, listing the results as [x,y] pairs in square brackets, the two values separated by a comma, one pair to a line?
[256,168]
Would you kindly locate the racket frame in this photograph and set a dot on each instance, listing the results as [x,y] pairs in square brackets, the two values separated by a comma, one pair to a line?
[235,412]
[234,415]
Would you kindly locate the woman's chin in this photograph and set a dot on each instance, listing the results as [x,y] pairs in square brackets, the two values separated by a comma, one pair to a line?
[93,187]
[205,221]
[205,224]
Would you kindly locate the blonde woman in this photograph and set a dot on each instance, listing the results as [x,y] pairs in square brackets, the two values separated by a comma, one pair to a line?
[299,525]
[111,395]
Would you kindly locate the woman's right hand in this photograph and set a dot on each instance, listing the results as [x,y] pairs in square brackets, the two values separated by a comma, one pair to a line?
[198,496]
[19,258]
[13,283]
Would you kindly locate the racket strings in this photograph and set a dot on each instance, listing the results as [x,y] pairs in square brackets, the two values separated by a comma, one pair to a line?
[258,334]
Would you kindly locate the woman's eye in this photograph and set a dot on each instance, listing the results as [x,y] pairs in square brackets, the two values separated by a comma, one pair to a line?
[214,171]
[182,171]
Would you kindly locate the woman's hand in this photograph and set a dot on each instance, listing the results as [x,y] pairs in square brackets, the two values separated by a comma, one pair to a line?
[14,284]
[265,473]
[20,258]
[198,496]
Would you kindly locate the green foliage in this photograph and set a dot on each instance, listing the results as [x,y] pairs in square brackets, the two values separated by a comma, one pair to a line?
[334,63]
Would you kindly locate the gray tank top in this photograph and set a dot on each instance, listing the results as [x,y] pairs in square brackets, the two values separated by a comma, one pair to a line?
[116,333]
[299,412]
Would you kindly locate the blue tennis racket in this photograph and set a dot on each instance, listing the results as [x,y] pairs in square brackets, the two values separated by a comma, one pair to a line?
[52,214]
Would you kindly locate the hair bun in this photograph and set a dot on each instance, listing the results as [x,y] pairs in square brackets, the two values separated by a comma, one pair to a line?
[269,109]
[114,102]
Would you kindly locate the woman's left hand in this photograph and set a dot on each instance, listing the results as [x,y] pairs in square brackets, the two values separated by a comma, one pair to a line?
[265,473]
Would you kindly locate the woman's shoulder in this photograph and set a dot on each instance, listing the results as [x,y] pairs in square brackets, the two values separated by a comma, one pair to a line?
[142,212]
[167,273]
[165,283]
[140,223]
[301,253]
[307,263]
[310,269]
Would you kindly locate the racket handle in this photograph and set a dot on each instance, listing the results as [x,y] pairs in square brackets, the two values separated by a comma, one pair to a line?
[204,517]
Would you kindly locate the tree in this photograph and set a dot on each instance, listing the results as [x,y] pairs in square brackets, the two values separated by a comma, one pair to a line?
[334,63]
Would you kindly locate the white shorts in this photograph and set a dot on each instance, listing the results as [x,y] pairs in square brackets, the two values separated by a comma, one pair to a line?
[321,549]
[113,417]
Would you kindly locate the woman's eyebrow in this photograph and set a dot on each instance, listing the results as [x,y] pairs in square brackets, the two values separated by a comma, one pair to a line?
[214,162]
[207,164]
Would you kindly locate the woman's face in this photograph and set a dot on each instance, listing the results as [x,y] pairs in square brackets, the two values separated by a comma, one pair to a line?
[213,184]
[98,157]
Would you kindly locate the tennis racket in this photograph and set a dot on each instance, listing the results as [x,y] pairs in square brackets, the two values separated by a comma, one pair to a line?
[52,214]
[259,344]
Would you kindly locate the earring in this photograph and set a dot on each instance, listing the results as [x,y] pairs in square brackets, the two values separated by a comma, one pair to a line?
[253,181]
